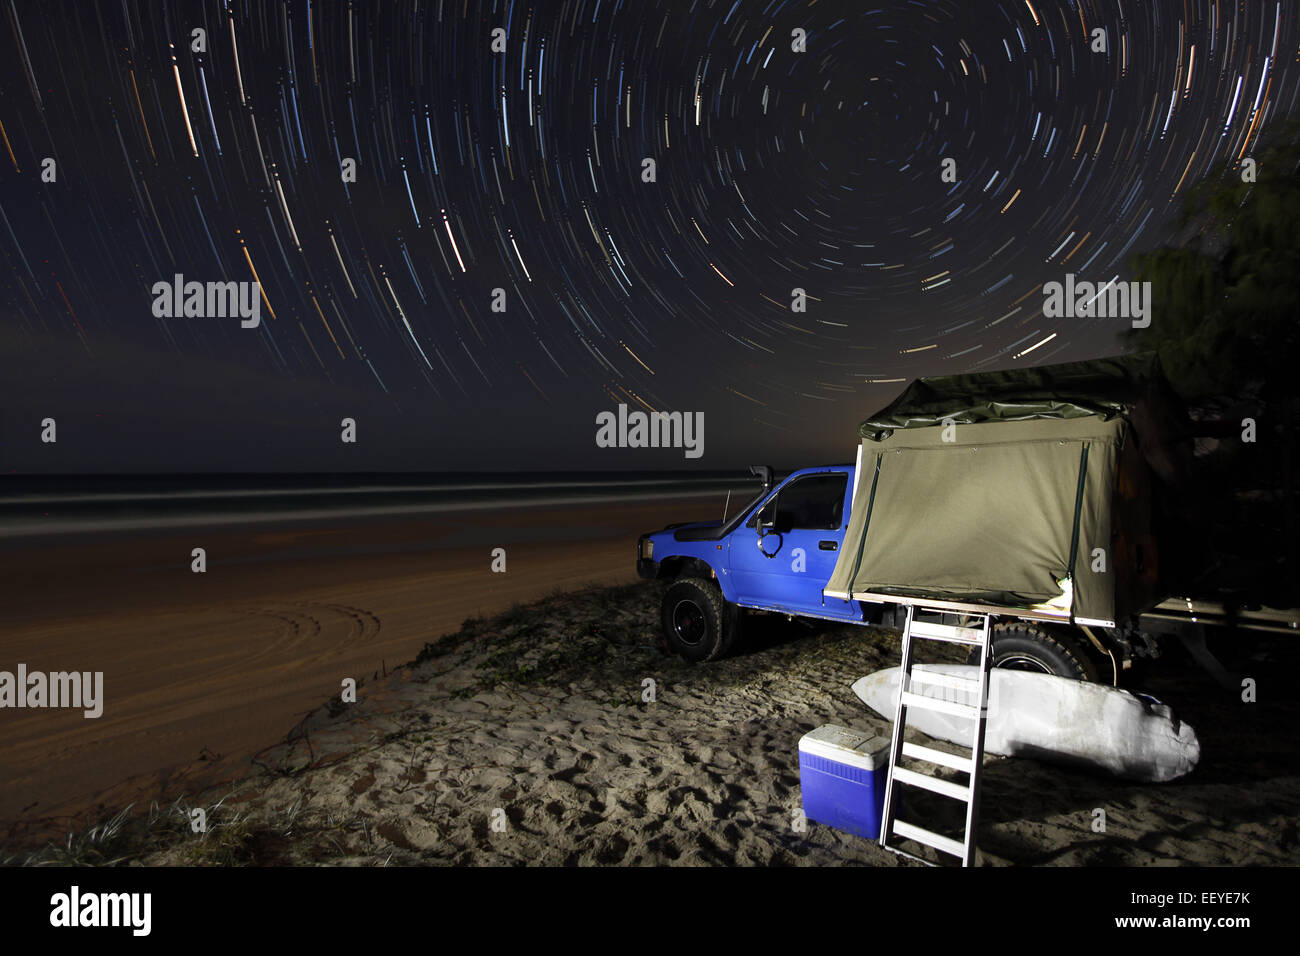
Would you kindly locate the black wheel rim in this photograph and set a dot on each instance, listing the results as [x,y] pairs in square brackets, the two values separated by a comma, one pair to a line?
[1019,662]
[689,623]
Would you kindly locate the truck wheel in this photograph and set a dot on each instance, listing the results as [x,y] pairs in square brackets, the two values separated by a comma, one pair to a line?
[697,623]
[1028,647]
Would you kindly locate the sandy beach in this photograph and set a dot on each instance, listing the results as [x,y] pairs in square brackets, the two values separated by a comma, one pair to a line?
[532,738]
[203,670]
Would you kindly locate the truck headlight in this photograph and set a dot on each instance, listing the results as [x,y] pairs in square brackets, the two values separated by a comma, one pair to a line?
[647,548]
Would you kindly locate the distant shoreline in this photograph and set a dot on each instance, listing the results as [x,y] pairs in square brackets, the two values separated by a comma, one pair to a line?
[44,506]
[58,525]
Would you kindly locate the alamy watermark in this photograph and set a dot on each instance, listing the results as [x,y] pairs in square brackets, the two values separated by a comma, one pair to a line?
[77,909]
[208,300]
[653,430]
[1086,300]
[37,689]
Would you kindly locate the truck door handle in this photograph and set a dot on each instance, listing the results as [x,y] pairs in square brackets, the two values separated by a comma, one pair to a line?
[828,545]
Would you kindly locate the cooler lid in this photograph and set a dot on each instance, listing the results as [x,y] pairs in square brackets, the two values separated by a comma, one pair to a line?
[845,745]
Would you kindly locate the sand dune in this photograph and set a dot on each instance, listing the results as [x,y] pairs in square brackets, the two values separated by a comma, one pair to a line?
[528,740]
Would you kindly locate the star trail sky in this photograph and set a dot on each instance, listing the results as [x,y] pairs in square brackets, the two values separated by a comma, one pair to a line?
[522,170]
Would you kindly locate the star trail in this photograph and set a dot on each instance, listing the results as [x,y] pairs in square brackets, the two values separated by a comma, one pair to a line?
[571,204]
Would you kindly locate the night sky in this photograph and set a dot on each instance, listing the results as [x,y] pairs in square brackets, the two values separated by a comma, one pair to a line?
[523,170]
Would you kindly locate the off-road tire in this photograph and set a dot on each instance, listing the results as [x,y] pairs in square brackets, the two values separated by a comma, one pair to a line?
[1024,646]
[698,624]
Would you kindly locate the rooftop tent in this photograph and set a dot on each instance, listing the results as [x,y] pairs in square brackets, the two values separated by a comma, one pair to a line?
[1037,499]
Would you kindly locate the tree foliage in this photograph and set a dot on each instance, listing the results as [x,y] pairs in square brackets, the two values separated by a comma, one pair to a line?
[1226,302]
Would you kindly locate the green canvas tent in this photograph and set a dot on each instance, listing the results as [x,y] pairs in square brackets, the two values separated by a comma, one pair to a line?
[1028,490]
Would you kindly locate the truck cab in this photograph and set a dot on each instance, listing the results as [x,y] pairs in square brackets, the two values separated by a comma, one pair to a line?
[775,554]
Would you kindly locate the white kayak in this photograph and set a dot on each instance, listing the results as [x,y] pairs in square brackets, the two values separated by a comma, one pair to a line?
[1051,718]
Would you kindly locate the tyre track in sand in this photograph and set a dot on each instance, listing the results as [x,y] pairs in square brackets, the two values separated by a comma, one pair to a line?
[202,671]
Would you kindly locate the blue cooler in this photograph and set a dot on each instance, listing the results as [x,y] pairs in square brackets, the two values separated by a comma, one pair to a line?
[842,776]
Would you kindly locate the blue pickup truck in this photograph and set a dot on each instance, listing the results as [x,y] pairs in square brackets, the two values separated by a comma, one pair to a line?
[1055,500]
[777,554]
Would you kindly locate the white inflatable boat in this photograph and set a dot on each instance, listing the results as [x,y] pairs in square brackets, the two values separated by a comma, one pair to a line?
[1053,718]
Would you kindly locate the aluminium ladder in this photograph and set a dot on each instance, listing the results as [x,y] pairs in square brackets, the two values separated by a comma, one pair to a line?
[911,678]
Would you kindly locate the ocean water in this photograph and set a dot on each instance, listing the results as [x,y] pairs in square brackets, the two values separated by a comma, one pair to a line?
[32,506]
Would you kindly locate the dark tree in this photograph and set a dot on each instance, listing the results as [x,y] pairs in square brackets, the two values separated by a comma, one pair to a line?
[1227,297]
[1226,303]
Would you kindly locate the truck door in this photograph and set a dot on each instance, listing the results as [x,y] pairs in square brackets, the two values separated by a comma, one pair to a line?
[784,555]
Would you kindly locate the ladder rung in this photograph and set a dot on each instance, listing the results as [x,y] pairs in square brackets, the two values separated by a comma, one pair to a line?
[941,705]
[926,676]
[942,843]
[947,632]
[951,761]
[944,788]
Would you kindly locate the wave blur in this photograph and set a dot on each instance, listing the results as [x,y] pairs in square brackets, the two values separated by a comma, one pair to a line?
[72,504]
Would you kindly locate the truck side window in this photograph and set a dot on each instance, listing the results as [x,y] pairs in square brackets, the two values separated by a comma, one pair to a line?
[814,502]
